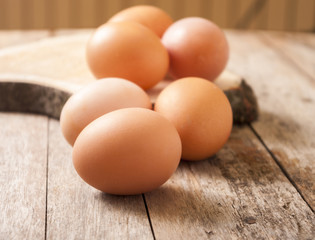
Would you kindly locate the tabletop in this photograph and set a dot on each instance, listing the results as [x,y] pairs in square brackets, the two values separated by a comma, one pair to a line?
[259,186]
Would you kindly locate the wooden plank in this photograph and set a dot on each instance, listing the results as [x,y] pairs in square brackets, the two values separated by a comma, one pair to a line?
[299,48]
[241,14]
[3,12]
[219,12]
[77,211]
[102,11]
[63,12]
[304,38]
[192,8]
[38,18]
[167,6]
[239,194]
[286,98]
[261,17]
[276,14]
[26,14]
[13,16]
[86,17]
[290,15]
[305,15]
[280,15]
[233,10]
[251,14]
[206,9]
[50,12]
[23,176]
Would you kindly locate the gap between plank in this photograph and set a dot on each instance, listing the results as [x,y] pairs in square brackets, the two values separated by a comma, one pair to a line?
[280,166]
[46,197]
[148,215]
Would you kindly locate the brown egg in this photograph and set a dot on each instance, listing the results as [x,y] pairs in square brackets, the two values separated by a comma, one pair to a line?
[152,17]
[201,113]
[127,50]
[97,99]
[197,47]
[127,151]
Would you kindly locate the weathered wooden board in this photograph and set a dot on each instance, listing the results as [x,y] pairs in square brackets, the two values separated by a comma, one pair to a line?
[23,151]
[59,63]
[77,211]
[239,194]
[287,97]
[297,48]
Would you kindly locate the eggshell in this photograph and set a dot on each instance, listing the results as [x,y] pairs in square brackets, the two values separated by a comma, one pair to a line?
[127,50]
[201,114]
[152,17]
[197,47]
[97,99]
[127,151]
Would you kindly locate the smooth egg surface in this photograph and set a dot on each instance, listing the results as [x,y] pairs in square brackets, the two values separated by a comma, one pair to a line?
[152,17]
[128,151]
[197,47]
[127,50]
[201,113]
[97,99]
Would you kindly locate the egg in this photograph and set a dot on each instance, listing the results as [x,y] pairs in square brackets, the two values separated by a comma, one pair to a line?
[127,151]
[197,47]
[201,113]
[127,50]
[152,17]
[97,99]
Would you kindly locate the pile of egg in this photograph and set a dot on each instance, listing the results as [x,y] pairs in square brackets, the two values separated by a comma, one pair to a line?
[120,144]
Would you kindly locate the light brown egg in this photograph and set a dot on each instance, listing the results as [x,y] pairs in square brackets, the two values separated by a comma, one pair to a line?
[127,50]
[201,113]
[152,17]
[97,99]
[127,151]
[197,47]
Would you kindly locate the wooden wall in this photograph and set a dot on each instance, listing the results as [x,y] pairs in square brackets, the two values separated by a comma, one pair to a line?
[290,15]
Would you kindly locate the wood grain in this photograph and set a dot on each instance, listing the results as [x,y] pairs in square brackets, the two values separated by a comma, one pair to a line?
[244,192]
[286,97]
[298,48]
[77,211]
[239,194]
[38,17]
[277,11]
[293,15]
[23,152]
[305,15]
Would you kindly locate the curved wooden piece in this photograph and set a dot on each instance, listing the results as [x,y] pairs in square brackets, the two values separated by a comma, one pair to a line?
[39,77]
[36,97]
[32,98]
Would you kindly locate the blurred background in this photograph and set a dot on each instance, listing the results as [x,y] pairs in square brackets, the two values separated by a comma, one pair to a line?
[283,15]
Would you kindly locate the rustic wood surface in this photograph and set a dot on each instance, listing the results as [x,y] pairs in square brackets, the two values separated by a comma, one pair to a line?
[286,94]
[23,161]
[77,211]
[259,186]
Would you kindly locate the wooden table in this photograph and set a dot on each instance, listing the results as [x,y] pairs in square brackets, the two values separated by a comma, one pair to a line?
[259,186]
